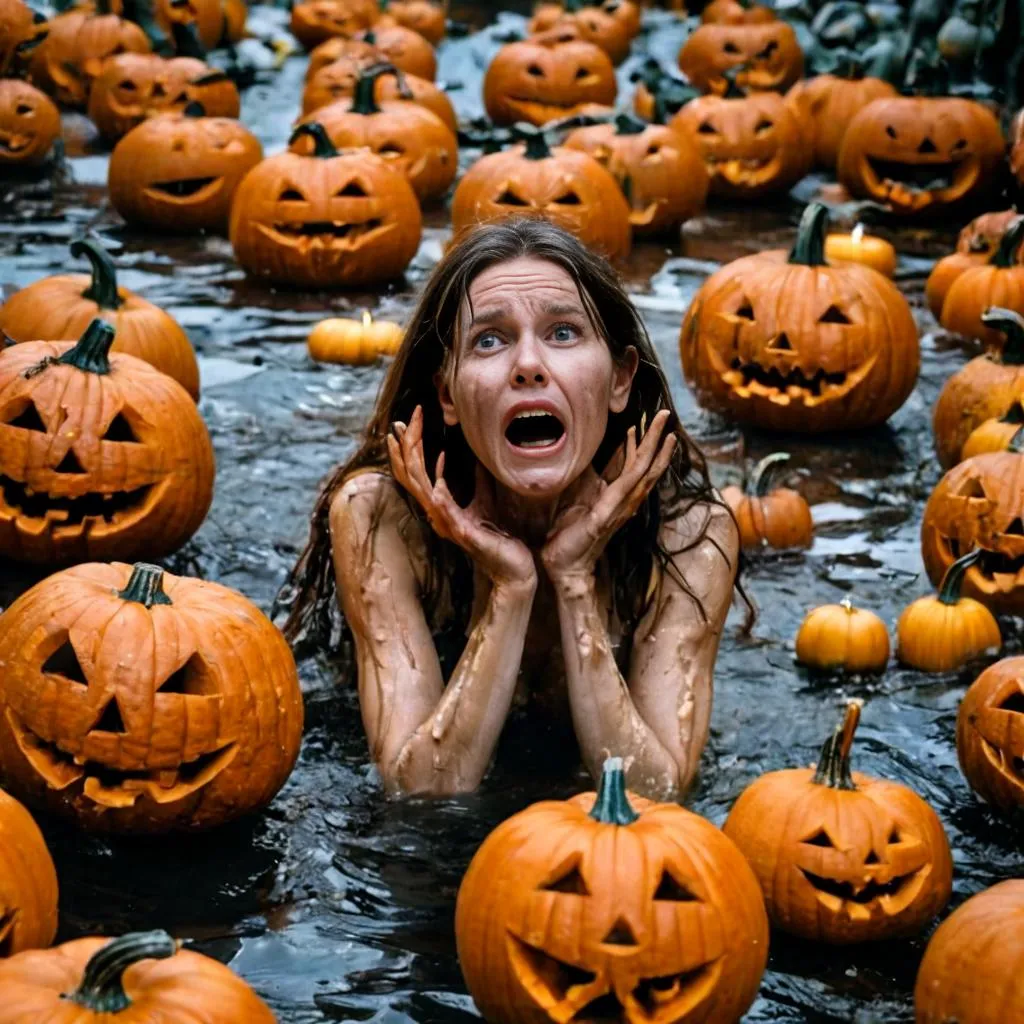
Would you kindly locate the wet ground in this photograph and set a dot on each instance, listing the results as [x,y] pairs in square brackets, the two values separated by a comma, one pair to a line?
[337,905]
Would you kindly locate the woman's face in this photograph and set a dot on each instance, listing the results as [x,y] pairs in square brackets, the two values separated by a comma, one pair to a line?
[534,381]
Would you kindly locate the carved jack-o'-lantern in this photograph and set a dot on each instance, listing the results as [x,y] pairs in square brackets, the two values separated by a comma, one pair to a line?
[406,49]
[636,913]
[539,80]
[990,734]
[314,21]
[569,188]
[408,136]
[29,124]
[21,30]
[330,219]
[980,504]
[598,26]
[767,56]
[791,343]
[661,173]
[101,456]
[842,857]
[752,145]
[920,154]
[133,700]
[179,172]
[549,13]
[422,16]
[134,86]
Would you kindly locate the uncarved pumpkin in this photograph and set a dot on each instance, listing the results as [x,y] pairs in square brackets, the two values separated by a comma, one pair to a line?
[355,342]
[777,518]
[839,636]
[996,435]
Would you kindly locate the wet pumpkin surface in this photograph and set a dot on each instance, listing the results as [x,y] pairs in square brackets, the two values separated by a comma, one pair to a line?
[337,905]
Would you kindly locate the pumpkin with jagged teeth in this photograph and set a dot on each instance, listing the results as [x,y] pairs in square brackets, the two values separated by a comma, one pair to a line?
[765,55]
[787,342]
[29,124]
[21,30]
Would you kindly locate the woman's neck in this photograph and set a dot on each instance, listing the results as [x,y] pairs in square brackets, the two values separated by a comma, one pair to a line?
[526,518]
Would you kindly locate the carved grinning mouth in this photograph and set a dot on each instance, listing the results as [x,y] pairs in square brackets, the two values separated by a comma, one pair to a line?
[7,918]
[70,511]
[186,188]
[920,177]
[15,143]
[994,566]
[868,893]
[324,233]
[772,378]
[1010,765]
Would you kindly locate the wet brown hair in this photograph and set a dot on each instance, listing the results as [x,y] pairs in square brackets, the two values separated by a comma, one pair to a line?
[309,593]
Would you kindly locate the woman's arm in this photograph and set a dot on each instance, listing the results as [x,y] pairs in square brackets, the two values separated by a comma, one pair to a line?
[424,737]
[659,718]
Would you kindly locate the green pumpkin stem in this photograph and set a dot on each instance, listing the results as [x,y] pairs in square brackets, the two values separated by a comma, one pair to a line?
[834,763]
[92,350]
[145,585]
[103,286]
[953,579]
[1006,254]
[363,99]
[763,471]
[809,248]
[102,986]
[536,143]
[612,806]
[322,145]
[628,124]
[1011,324]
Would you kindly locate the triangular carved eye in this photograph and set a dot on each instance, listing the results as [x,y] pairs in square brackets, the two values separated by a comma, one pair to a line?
[730,47]
[571,881]
[834,315]
[672,890]
[509,198]
[821,838]
[894,836]
[971,488]
[291,195]
[1016,528]
[1015,703]
[64,662]
[28,419]
[353,189]
[568,199]
[120,430]
[746,311]
[192,678]
[707,128]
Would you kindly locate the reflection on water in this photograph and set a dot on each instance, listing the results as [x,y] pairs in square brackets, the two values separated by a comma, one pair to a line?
[337,905]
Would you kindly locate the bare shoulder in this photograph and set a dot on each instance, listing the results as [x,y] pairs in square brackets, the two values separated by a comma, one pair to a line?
[704,544]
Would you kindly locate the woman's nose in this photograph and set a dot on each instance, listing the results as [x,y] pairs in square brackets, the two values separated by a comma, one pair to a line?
[528,367]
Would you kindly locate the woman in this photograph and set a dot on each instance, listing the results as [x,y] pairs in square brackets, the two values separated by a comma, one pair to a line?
[569,533]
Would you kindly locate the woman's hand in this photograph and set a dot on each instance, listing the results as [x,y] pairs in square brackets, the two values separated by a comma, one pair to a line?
[503,559]
[603,503]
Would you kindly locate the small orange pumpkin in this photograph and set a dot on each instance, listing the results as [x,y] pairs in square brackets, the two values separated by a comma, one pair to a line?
[569,188]
[766,56]
[136,979]
[858,247]
[355,342]
[60,308]
[839,636]
[990,734]
[939,634]
[596,26]
[959,979]
[842,857]
[315,21]
[600,907]
[551,12]
[29,124]
[406,49]
[736,12]
[780,518]
[28,882]
[21,30]
[996,435]
[428,19]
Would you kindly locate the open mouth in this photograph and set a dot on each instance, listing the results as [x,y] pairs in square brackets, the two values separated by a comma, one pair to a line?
[186,188]
[994,566]
[15,144]
[792,385]
[323,233]
[917,177]
[70,511]
[534,430]
[848,892]
[745,171]
[113,787]
[1007,764]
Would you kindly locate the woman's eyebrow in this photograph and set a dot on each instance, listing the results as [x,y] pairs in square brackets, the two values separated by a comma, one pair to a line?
[488,315]
[562,309]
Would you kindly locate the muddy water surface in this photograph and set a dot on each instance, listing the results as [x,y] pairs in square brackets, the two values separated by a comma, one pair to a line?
[337,905]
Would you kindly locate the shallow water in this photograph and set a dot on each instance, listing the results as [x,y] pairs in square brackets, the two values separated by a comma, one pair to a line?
[337,905]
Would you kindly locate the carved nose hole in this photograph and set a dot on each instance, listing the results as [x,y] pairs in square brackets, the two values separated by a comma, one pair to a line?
[620,935]
[927,146]
[111,720]
[781,343]
[70,464]
[1016,527]
[872,858]
[159,90]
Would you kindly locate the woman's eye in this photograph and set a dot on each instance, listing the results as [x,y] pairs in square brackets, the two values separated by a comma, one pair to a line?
[488,341]
[564,332]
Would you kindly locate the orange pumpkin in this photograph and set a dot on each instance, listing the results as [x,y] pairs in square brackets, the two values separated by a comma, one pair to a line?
[562,185]
[660,172]
[658,96]
[736,12]
[409,137]
[236,14]
[101,456]
[548,14]
[990,734]
[842,857]
[603,908]
[996,435]
[595,25]
[787,342]
[979,504]
[28,882]
[766,56]
[780,518]
[407,50]
[941,633]
[315,21]
[975,244]
[29,124]
[327,220]
[540,80]
[179,172]
[355,342]
[999,282]
[919,155]
[428,19]
[21,30]
[60,308]
[139,978]
[839,636]
[960,979]
[752,145]
[138,701]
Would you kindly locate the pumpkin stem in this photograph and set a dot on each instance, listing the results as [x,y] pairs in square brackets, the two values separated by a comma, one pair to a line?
[383,66]
[103,287]
[809,248]
[834,763]
[363,100]
[762,471]
[628,124]
[1006,254]
[1011,324]
[536,144]
[952,580]
[91,351]
[145,585]
[612,806]
[322,145]
[102,988]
